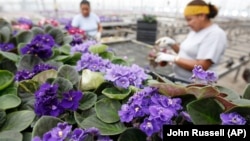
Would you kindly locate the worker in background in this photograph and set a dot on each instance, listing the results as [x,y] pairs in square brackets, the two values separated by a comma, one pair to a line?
[88,21]
[204,45]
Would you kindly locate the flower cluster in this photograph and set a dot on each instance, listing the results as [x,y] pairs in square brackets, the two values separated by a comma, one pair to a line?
[48,21]
[41,46]
[48,102]
[64,132]
[6,46]
[77,39]
[124,76]
[74,30]
[83,47]
[206,77]
[28,74]
[93,62]
[25,21]
[232,119]
[153,108]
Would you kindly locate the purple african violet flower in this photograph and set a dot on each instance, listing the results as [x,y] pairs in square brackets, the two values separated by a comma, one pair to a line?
[59,133]
[186,116]
[38,49]
[232,119]
[46,102]
[207,77]
[103,138]
[44,39]
[124,76]
[78,135]
[154,108]
[150,126]
[122,82]
[42,67]
[93,131]
[92,62]
[77,40]
[23,75]
[26,21]
[199,73]
[161,114]
[41,46]
[126,114]
[28,74]
[83,47]
[6,46]
[71,100]
[211,77]
[36,139]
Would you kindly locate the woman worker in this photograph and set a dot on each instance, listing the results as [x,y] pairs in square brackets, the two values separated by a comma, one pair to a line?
[204,45]
[88,21]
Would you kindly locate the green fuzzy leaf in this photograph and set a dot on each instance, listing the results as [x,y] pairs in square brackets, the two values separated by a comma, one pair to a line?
[91,80]
[82,115]
[241,102]
[9,101]
[27,136]
[65,49]
[88,101]
[19,120]
[64,84]
[6,34]
[48,27]
[6,78]
[24,37]
[73,59]
[227,93]
[57,34]
[170,89]
[133,134]
[28,86]
[67,39]
[205,111]
[37,31]
[203,92]
[6,64]
[120,61]
[27,62]
[115,93]
[68,72]
[246,93]
[107,55]
[2,117]
[43,76]
[11,136]
[105,128]
[98,48]
[44,124]
[9,55]
[107,110]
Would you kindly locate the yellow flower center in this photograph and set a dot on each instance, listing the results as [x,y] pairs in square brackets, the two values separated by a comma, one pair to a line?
[60,133]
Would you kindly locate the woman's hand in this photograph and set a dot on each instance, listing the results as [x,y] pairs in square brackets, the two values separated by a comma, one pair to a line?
[165,57]
[98,36]
[165,42]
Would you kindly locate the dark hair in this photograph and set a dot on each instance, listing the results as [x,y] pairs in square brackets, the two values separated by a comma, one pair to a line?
[213,11]
[85,2]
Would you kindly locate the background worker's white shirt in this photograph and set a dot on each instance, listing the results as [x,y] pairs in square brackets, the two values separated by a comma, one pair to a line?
[209,43]
[88,24]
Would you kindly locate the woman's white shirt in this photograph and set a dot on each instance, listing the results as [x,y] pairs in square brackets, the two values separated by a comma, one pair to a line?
[209,43]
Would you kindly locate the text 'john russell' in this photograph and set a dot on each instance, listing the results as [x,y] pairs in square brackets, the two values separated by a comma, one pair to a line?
[195,132]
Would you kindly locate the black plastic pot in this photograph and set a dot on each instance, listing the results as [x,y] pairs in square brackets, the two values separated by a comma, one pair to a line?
[146,32]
